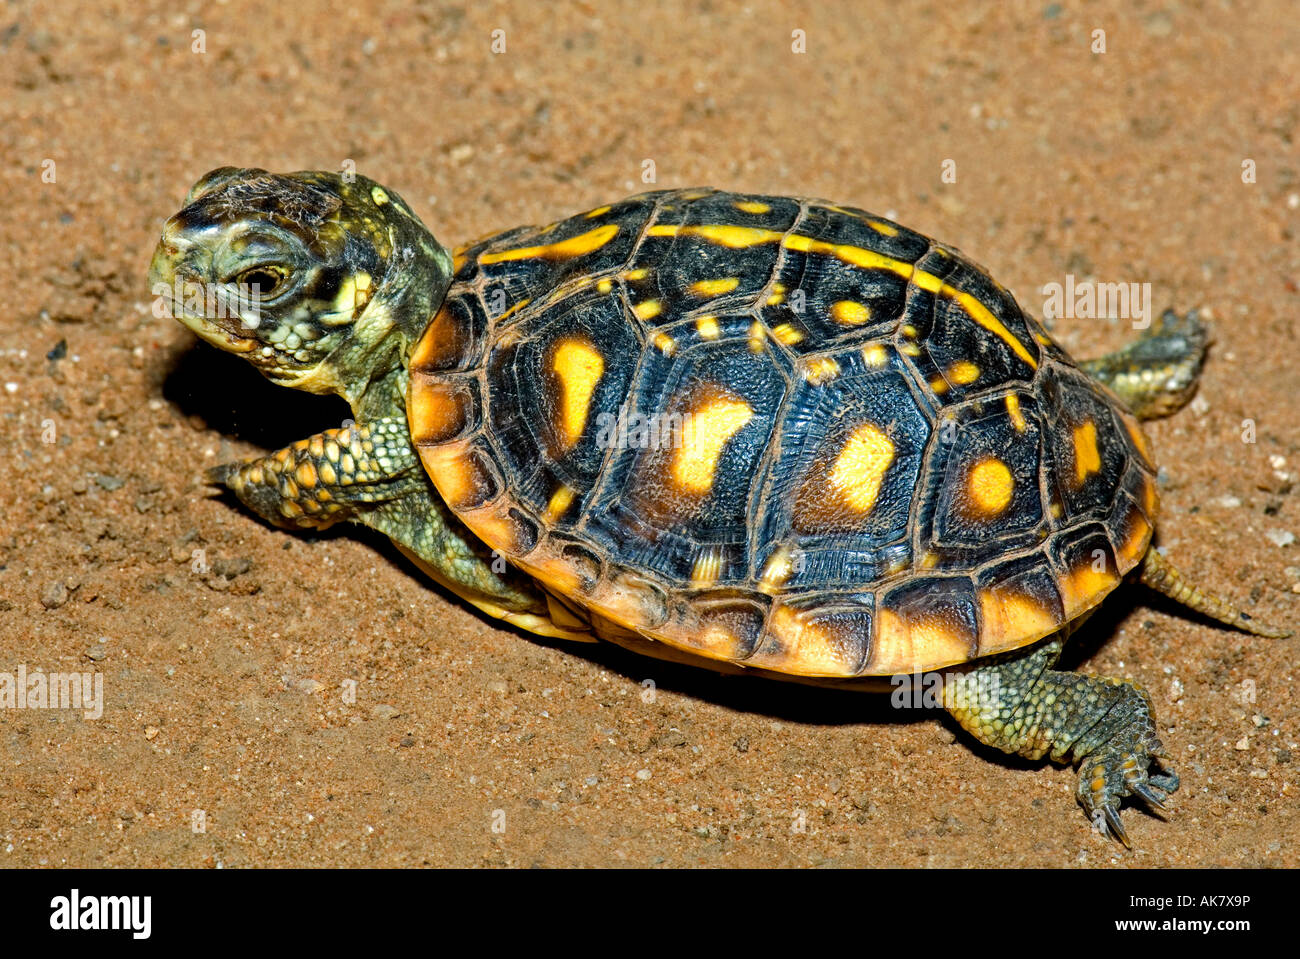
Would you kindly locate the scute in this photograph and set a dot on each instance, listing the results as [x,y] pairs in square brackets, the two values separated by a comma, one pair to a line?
[775,433]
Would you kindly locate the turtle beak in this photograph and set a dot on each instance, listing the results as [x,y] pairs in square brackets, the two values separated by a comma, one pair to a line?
[181,281]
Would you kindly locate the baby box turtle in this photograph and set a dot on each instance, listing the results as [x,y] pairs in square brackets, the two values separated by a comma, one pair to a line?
[752,432]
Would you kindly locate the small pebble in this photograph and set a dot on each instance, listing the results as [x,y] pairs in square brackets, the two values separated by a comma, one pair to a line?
[1227,502]
[1280,537]
[230,568]
[384,711]
[54,595]
[643,774]
[97,653]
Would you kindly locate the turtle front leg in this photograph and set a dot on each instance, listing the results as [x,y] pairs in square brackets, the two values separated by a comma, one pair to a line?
[1020,705]
[1156,374]
[370,474]
[335,475]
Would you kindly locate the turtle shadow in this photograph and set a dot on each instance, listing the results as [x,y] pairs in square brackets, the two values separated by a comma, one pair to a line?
[231,397]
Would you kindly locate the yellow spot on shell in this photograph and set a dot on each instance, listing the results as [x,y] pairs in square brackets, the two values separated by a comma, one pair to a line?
[705,433]
[880,226]
[648,309]
[599,211]
[787,334]
[735,237]
[990,485]
[1013,410]
[777,570]
[714,287]
[640,273]
[752,206]
[379,196]
[579,367]
[939,385]
[514,309]
[860,468]
[604,286]
[850,312]
[757,337]
[1135,547]
[579,245]
[963,373]
[707,567]
[823,369]
[558,503]
[875,355]
[665,344]
[708,327]
[1087,458]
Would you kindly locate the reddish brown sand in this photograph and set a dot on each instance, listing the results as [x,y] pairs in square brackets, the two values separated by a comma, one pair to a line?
[225,691]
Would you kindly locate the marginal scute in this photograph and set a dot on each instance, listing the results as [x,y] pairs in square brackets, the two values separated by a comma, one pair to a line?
[475,482]
[448,343]
[441,409]
[925,624]
[818,638]
[1019,603]
[729,627]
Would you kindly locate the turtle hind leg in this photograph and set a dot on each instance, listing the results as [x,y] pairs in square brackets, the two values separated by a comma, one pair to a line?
[1160,575]
[1019,704]
[1156,374]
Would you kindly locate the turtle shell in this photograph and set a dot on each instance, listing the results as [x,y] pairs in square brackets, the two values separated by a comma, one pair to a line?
[777,433]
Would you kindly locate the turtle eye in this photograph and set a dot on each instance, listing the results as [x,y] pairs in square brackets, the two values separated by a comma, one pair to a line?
[267,280]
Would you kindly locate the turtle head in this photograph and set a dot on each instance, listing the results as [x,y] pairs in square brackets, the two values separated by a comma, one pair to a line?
[322,281]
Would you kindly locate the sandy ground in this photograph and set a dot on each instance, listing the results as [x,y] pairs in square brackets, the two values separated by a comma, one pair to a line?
[226,736]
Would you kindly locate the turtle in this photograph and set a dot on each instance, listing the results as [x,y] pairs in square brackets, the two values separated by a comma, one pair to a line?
[763,434]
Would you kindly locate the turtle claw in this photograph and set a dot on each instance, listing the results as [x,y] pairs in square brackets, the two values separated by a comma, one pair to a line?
[1113,773]
[1151,796]
[1116,827]
[221,475]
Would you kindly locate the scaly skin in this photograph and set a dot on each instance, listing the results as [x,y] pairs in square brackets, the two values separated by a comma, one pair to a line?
[1156,374]
[1019,705]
